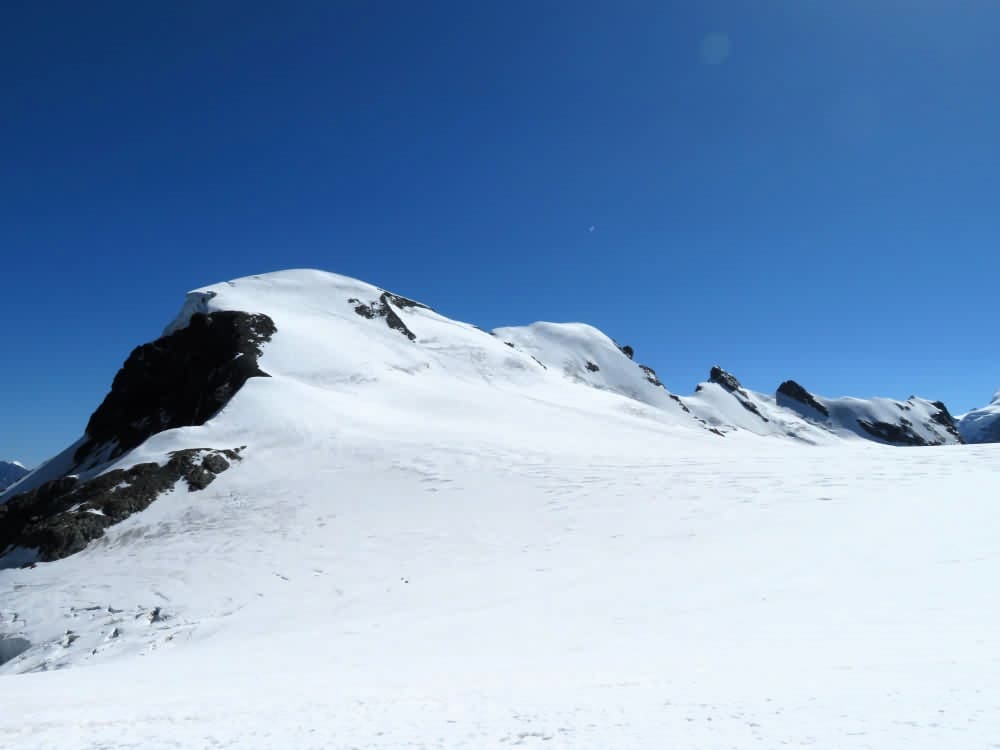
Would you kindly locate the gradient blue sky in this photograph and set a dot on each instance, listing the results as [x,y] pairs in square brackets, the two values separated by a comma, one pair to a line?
[789,189]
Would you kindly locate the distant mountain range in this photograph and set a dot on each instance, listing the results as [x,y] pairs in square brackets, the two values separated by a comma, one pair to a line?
[982,425]
[10,472]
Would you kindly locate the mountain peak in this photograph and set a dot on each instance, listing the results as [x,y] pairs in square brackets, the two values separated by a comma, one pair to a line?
[728,381]
[792,390]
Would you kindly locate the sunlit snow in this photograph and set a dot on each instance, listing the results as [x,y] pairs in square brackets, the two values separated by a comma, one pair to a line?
[475,541]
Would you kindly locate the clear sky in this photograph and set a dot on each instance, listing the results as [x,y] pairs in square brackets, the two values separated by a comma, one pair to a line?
[790,189]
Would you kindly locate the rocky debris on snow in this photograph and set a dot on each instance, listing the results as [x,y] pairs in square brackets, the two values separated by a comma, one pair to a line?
[181,379]
[62,516]
[592,367]
[792,391]
[383,308]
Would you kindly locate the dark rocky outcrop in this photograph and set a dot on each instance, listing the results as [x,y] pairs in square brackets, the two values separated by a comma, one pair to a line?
[179,380]
[897,434]
[62,516]
[729,382]
[627,350]
[382,308]
[720,377]
[943,417]
[680,402]
[650,374]
[795,392]
[592,367]
[11,647]
[902,432]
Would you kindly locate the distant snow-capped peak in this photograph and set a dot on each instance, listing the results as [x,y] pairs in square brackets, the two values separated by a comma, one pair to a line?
[11,472]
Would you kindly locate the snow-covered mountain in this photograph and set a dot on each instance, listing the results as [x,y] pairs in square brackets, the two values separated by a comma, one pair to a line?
[915,421]
[793,412]
[325,515]
[298,342]
[11,472]
[982,425]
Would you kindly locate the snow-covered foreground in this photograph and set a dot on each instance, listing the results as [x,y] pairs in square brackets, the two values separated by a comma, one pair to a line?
[465,594]
[452,542]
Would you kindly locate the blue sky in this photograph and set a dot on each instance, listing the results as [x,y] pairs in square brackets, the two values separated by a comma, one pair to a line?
[788,189]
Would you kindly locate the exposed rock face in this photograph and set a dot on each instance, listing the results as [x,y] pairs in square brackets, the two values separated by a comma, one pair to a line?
[729,382]
[61,517]
[897,434]
[10,472]
[943,417]
[382,308]
[628,351]
[179,380]
[592,367]
[902,432]
[650,374]
[680,403]
[720,377]
[982,425]
[11,647]
[795,392]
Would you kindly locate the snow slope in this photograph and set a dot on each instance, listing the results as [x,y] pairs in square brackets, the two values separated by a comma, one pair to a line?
[442,542]
[982,425]
[585,355]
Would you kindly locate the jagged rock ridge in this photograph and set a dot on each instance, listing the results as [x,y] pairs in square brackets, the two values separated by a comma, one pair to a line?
[914,422]
[61,516]
[792,390]
[383,308]
[181,379]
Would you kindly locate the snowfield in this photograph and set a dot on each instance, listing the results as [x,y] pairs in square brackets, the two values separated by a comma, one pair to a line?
[456,543]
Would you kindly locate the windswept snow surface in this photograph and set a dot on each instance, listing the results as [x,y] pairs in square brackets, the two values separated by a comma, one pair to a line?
[438,544]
